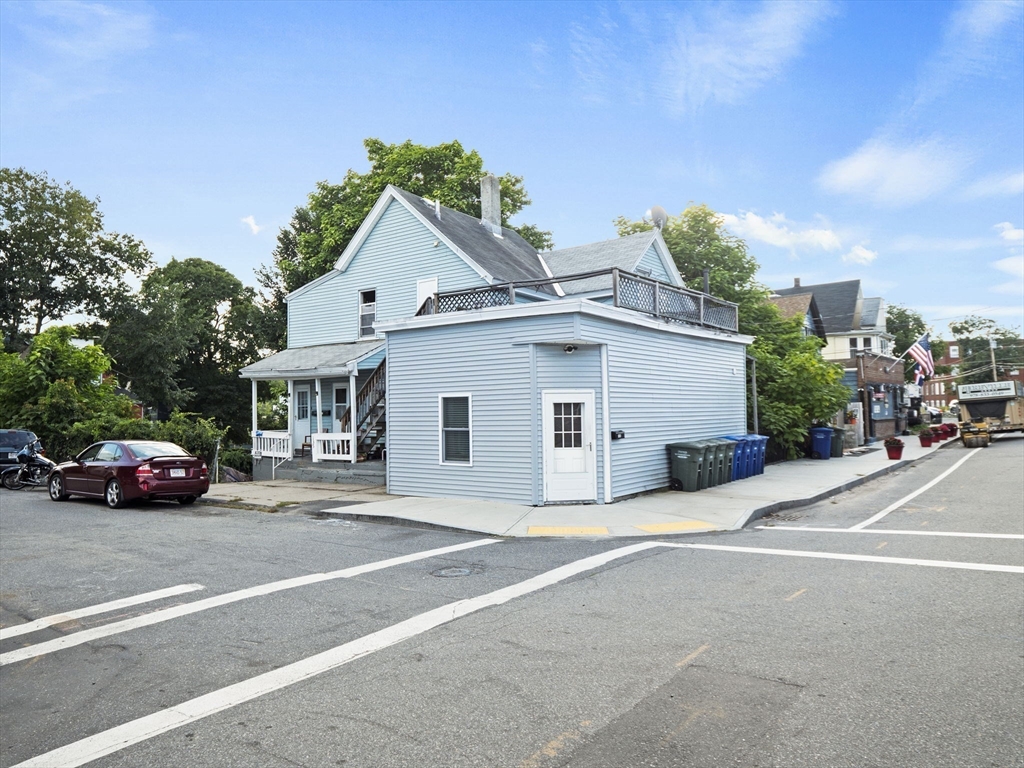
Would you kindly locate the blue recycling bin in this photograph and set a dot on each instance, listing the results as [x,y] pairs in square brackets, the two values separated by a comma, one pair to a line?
[741,456]
[821,443]
[762,450]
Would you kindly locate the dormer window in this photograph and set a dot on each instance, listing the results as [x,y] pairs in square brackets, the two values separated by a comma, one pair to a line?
[853,346]
[367,313]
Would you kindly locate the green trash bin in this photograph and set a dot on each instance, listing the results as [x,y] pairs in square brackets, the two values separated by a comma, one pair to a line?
[715,459]
[838,435]
[721,460]
[686,465]
[706,479]
[730,455]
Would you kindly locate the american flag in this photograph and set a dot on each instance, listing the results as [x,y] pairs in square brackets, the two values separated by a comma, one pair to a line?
[921,351]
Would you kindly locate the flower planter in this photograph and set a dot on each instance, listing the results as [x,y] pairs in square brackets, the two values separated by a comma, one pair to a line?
[926,439]
[895,452]
[938,435]
[952,429]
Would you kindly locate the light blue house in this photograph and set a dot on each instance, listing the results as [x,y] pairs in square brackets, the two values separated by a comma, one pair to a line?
[489,370]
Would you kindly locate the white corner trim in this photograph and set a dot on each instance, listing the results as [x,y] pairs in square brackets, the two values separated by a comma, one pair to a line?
[606,418]
[547,271]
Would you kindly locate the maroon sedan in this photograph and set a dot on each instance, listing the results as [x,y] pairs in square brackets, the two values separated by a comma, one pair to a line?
[123,470]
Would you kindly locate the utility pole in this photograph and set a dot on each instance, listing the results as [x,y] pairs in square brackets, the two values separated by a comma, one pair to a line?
[992,352]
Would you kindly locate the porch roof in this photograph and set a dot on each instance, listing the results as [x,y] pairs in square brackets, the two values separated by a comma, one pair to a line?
[312,362]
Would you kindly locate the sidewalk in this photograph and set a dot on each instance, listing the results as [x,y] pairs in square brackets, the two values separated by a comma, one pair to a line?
[723,508]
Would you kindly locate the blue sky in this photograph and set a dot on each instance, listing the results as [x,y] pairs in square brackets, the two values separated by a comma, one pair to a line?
[883,141]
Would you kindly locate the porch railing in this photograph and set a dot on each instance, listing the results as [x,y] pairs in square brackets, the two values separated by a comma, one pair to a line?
[629,291]
[272,443]
[332,446]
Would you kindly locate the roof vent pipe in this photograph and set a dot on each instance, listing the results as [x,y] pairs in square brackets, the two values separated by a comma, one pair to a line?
[490,203]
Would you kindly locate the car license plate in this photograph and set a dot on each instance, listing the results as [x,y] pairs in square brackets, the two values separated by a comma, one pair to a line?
[177,472]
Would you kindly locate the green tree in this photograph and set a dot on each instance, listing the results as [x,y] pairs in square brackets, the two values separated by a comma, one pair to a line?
[908,327]
[55,386]
[319,231]
[183,343]
[795,386]
[973,335]
[55,256]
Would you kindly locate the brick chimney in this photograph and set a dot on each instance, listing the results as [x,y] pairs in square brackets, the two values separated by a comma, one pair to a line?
[796,282]
[490,203]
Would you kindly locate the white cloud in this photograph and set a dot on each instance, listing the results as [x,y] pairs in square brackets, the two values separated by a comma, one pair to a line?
[88,31]
[1010,233]
[775,230]
[1013,265]
[860,255]
[726,55]
[894,175]
[251,221]
[997,185]
[980,39]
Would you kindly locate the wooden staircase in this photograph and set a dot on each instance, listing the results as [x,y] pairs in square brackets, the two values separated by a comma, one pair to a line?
[370,424]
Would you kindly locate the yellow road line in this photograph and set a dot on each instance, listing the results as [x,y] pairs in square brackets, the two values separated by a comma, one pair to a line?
[796,594]
[692,656]
[882,545]
[567,530]
[689,525]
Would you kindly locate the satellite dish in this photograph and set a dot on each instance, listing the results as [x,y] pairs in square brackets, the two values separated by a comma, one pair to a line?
[658,217]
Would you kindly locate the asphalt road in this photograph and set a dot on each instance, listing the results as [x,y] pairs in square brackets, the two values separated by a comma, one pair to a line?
[868,647]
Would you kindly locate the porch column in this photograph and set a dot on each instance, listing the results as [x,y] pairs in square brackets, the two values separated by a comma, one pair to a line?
[319,417]
[254,427]
[289,428]
[352,414]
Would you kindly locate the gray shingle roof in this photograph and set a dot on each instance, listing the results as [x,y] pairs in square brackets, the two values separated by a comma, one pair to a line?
[869,313]
[508,258]
[837,302]
[302,362]
[622,252]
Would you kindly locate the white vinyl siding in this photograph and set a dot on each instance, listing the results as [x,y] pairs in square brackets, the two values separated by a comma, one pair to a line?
[665,388]
[395,255]
[652,261]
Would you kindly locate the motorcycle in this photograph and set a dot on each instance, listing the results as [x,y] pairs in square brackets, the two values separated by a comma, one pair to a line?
[33,468]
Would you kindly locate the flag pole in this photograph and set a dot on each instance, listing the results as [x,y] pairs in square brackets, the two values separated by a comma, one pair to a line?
[890,367]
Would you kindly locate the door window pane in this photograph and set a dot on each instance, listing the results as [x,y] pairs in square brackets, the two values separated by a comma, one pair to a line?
[301,404]
[568,426]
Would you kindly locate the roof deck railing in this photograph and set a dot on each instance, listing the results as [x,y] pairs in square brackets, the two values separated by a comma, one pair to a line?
[629,291]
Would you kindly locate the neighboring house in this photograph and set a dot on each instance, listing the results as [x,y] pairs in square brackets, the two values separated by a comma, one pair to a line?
[802,305]
[452,342]
[856,336]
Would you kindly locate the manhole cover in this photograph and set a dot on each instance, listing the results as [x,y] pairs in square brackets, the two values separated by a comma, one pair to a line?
[451,573]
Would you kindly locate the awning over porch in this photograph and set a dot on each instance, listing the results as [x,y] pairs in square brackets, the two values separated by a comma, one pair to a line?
[318,361]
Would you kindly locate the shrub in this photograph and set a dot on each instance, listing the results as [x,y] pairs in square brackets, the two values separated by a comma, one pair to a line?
[237,458]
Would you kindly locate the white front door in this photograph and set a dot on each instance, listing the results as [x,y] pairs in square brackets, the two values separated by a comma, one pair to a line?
[570,464]
[300,416]
[340,402]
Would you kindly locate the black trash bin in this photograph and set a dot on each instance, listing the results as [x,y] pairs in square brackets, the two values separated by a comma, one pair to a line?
[838,436]
[686,465]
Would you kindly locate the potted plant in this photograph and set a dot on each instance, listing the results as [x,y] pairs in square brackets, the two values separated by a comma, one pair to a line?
[894,447]
[851,417]
[938,434]
[925,436]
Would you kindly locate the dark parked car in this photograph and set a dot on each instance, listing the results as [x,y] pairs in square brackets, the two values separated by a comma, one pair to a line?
[124,470]
[12,441]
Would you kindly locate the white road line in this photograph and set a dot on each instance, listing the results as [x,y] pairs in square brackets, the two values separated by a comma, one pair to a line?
[92,610]
[909,496]
[174,612]
[886,532]
[858,558]
[104,743]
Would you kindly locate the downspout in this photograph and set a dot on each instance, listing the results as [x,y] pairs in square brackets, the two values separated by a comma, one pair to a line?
[753,386]
[352,392]
[606,419]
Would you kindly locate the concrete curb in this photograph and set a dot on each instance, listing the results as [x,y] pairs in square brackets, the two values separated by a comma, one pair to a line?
[758,512]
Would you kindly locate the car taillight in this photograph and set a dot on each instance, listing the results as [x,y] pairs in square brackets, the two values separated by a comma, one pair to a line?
[204,471]
[144,470]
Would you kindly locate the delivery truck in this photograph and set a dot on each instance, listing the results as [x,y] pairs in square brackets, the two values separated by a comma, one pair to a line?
[988,409]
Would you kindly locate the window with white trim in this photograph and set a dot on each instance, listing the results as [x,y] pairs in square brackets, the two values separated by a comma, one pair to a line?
[367,313]
[954,351]
[456,429]
[853,346]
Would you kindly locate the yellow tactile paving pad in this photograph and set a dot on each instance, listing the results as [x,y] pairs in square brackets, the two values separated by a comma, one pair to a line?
[688,525]
[566,530]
